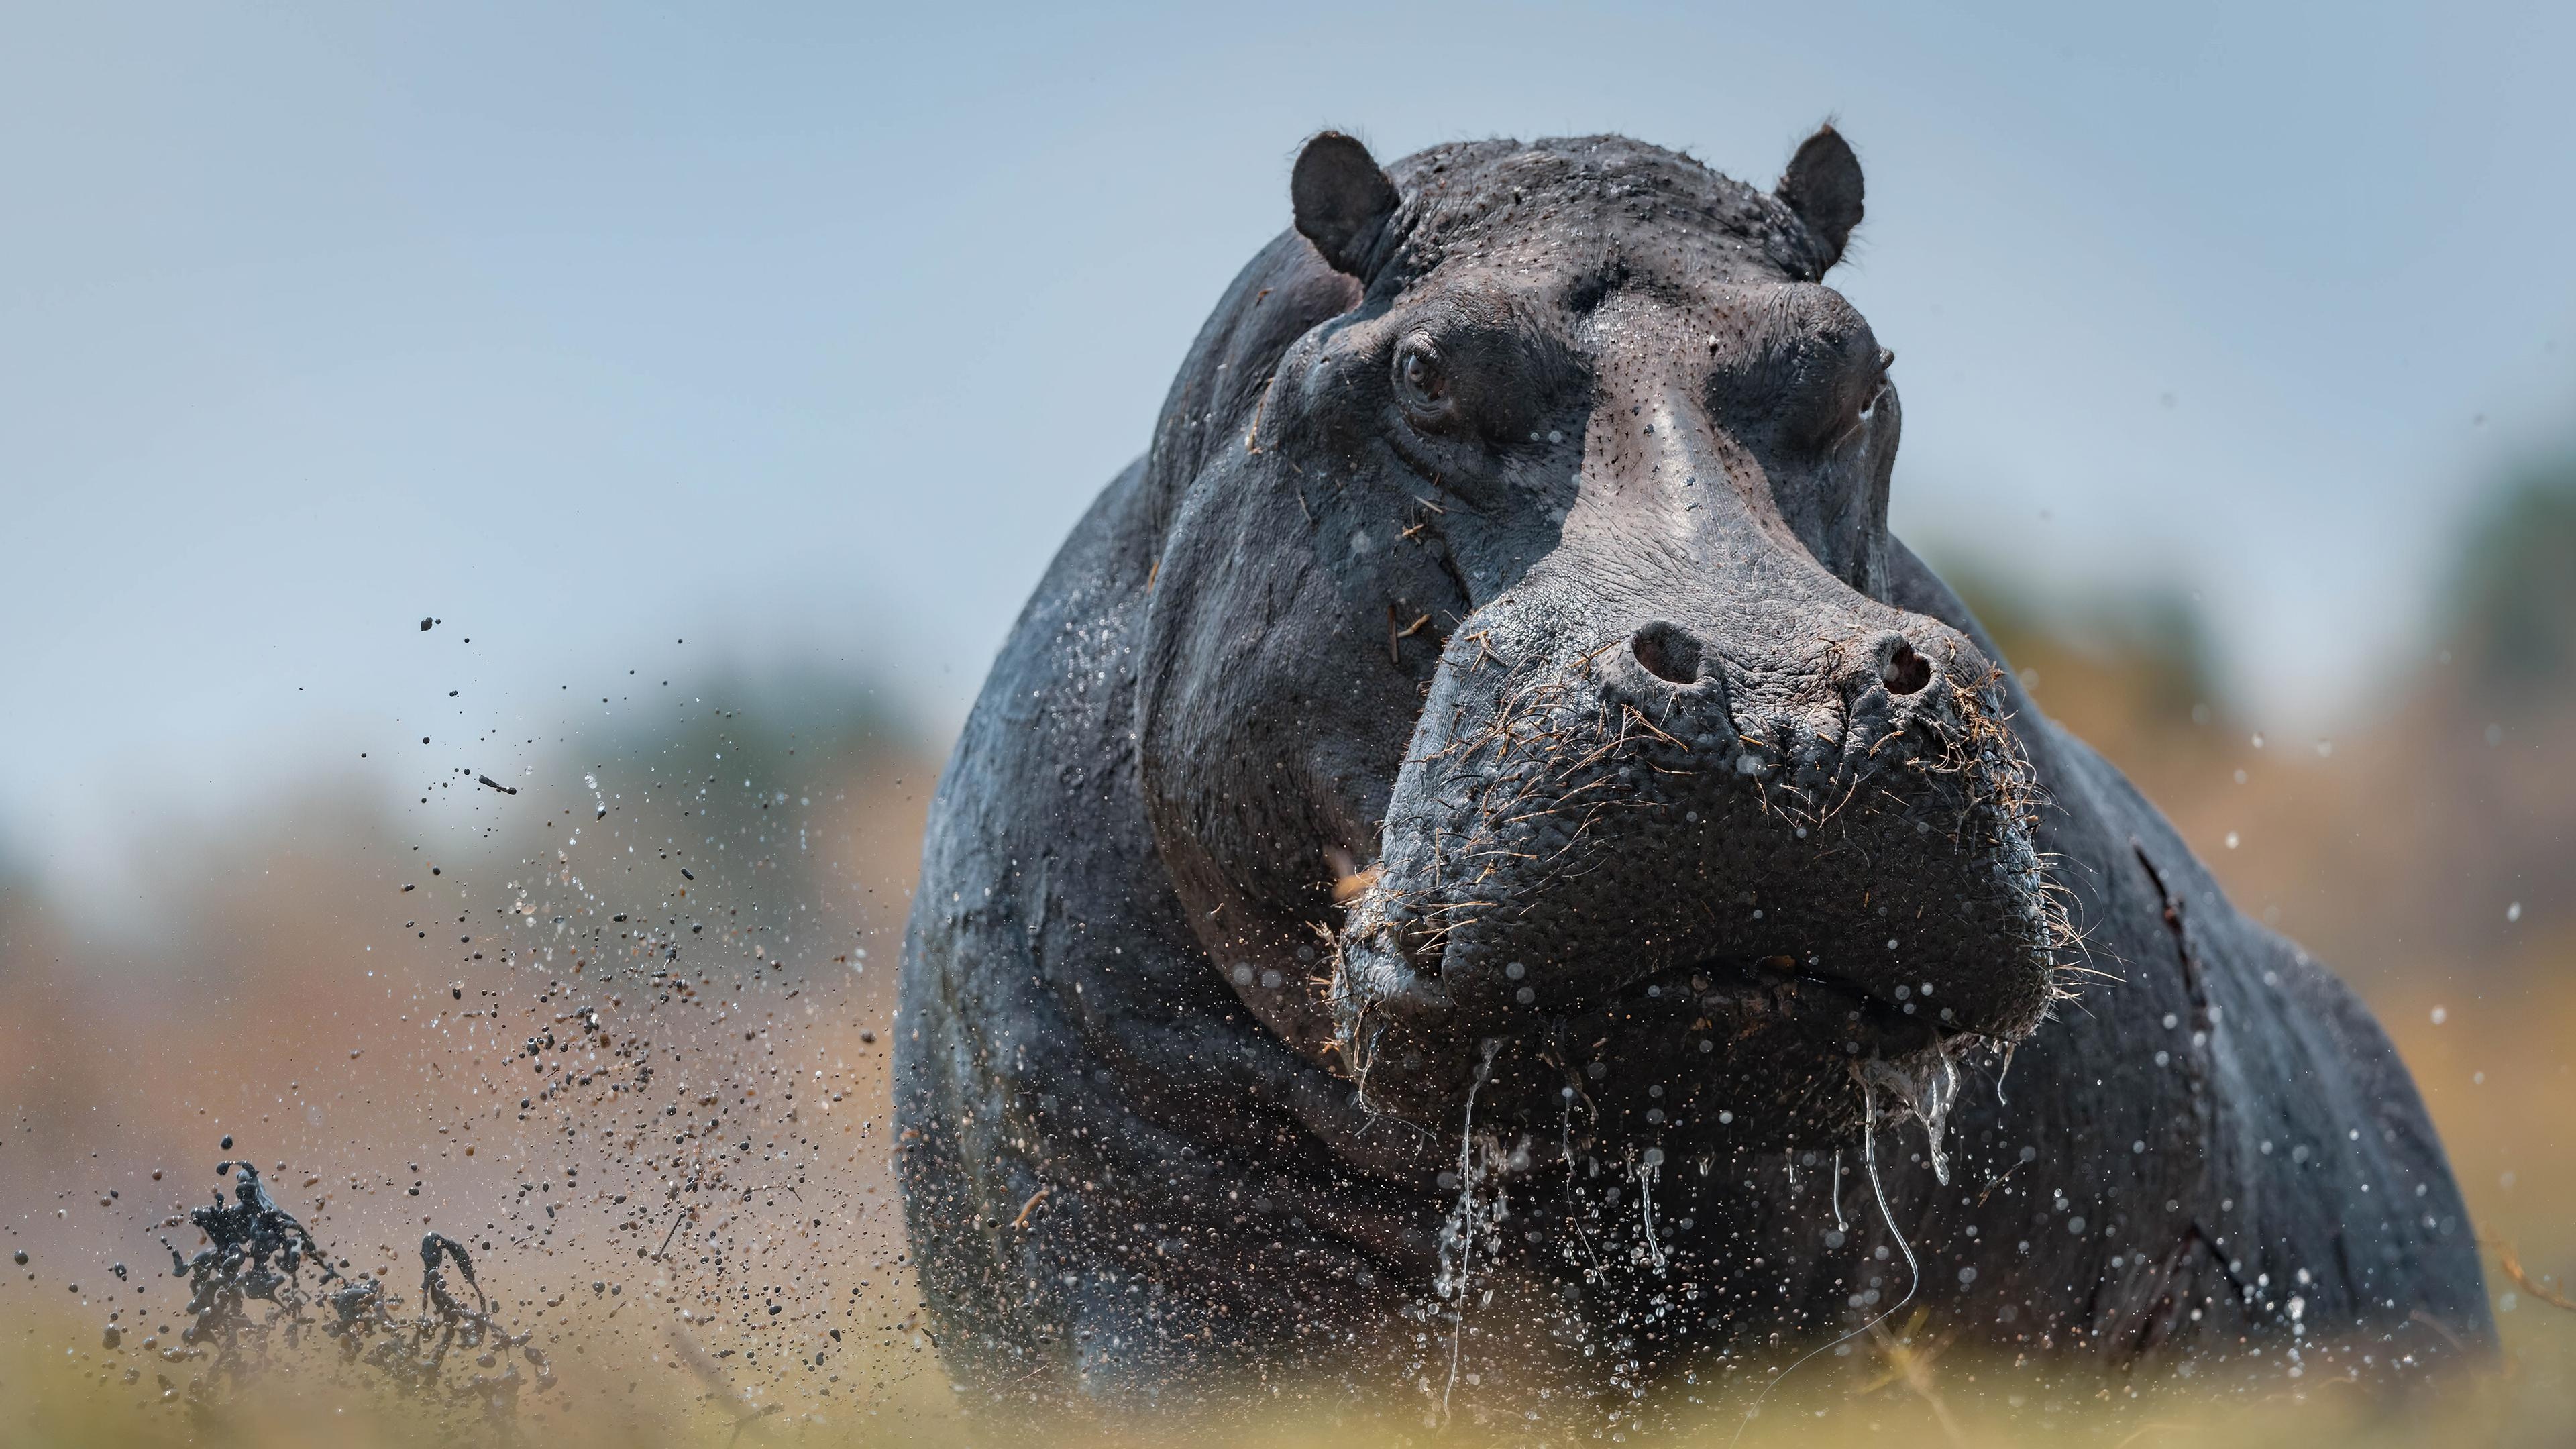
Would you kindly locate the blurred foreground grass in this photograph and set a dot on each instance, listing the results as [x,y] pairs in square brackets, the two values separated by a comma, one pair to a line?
[1885,1395]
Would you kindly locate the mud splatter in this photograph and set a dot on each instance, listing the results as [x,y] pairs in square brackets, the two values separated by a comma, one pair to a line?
[413,1353]
[611,1088]
[257,1254]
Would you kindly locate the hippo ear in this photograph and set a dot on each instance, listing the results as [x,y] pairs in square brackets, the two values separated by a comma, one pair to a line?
[1343,201]
[1822,185]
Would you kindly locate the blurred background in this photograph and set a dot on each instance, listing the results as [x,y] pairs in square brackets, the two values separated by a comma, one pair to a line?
[661,413]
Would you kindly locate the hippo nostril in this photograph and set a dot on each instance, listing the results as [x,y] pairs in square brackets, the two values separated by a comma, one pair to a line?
[1906,672]
[1668,652]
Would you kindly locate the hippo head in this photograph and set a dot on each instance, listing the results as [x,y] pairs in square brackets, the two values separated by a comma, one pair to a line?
[1523,716]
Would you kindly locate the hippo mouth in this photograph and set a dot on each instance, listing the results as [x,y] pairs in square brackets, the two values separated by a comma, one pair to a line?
[1716,1015]
[1777,989]
[1758,1052]
[1753,1006]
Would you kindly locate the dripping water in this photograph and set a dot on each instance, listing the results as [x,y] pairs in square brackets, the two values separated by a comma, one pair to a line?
[1573,1201]
[1453,1282]
[1913,1270]
[1647,1167]
[1925,1087]
[1869,1162]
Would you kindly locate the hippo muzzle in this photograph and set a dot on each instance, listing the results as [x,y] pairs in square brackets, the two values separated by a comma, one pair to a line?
[1694,834]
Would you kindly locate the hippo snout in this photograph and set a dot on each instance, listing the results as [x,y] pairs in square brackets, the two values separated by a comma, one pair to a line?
[1674,655]
[1789,859]
[1844,716]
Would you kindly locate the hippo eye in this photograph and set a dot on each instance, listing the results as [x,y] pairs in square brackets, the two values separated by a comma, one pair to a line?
[1849,426]
[1420,379]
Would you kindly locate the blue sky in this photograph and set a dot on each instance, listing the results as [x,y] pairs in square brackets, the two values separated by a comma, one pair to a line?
[804,333]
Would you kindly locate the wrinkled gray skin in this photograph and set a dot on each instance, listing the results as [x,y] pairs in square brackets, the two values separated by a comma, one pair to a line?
[1484,813]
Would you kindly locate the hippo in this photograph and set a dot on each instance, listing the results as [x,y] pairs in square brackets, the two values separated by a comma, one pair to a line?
[1485,870]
